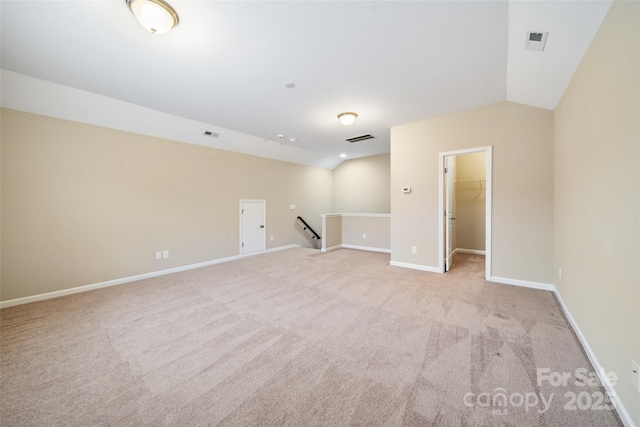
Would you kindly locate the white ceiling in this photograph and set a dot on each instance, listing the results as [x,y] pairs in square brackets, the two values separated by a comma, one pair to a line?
[224,67]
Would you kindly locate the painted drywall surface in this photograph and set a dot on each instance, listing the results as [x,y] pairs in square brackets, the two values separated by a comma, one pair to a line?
[470,201]
[1,117]
[377,230]
[597,192]
[82,204]
[522,140]
[362,185]
[332,232]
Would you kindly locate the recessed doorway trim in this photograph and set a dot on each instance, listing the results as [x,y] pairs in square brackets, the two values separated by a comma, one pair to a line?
[489,189]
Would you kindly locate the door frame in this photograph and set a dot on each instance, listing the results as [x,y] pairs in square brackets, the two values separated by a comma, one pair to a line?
[449,192]
[488,150]
[264,222]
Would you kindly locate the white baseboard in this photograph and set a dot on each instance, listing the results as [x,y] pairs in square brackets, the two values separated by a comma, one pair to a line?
[282,248]
[415,266]
[359,248]
[115,282]
[624,415]
[366,248]
[469,251]
[600,371]
[523,283]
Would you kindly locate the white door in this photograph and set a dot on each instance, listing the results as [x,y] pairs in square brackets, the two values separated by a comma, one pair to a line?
[252,226]
[449,212]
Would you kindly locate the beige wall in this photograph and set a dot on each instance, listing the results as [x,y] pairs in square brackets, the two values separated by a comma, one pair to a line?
[597,192]
[83,204]
[376,228]
[471,197]
[522,140]
[366,231]
[362,185]
[331,231]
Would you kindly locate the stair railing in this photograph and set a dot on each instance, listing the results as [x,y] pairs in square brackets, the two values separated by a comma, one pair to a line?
[308,229]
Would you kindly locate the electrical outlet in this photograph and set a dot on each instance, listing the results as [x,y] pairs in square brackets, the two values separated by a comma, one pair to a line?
[414,249]
[364,236]
[165,254]
[635,375]
[158,255]
[271,238]
[560,272]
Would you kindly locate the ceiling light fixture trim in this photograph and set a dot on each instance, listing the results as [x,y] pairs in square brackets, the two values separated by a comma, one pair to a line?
[347,118]
[156,16]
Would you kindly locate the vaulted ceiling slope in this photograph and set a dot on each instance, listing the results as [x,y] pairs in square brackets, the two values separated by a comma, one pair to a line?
[223,68]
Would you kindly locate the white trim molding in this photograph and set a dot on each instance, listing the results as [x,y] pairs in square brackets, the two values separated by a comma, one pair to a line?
[122,281]
[624,415]
[469,251]
[414,266]
[283,248]
[371,215]
[366,248]
[357,248]
[108,283]
[522,283]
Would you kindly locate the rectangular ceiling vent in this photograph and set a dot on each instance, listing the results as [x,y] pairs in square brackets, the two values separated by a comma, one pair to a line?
[211,134]
[535,40]
[360,138]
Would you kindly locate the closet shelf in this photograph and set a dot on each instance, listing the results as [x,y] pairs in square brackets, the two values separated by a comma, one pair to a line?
[479,181]
[469,180]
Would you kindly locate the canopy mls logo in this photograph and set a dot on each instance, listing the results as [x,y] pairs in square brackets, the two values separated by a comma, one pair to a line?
[582,378]
[500,401]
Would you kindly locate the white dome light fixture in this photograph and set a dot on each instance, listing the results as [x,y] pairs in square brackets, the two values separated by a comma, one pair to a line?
[156,16]
[347,118]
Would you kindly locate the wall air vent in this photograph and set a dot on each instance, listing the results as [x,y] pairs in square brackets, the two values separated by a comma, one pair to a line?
[535,40]
[359,138]
[211,134]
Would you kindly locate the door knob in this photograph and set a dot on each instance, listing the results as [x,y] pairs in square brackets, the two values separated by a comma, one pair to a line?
[262,226]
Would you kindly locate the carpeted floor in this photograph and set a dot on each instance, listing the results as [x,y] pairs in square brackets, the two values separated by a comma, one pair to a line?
[299,338]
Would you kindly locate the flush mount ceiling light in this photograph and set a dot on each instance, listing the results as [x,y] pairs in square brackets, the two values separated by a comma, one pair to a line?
[156,16]
[348,118]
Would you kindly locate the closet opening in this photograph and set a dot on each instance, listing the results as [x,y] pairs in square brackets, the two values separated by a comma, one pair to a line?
[465,206]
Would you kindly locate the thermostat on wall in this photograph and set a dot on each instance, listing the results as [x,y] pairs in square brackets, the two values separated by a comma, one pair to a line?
[406,189]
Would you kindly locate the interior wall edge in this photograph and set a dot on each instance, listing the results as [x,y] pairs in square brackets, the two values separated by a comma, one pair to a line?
[624,415]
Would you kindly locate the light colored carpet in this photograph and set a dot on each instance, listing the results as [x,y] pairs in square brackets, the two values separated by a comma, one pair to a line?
[295,338]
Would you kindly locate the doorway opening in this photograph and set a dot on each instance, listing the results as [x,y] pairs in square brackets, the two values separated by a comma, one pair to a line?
[253,232]
[465,189]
